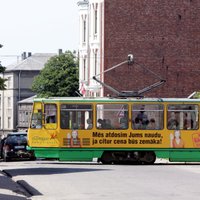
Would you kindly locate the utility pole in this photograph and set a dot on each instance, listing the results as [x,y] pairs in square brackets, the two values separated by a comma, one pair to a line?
[130,61]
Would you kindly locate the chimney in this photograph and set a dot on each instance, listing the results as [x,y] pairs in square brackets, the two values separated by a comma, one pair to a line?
[60,51]
[23,55]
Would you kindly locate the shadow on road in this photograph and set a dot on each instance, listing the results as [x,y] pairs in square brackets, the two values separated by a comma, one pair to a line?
[11,197]
[47,171]
[165,163]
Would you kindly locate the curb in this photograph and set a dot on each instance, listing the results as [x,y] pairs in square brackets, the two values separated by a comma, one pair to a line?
[27,189]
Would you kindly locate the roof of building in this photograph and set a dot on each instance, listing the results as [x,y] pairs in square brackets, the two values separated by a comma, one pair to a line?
[27,100]
[33,63]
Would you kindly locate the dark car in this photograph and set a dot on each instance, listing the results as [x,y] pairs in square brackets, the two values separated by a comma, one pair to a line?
[13,146]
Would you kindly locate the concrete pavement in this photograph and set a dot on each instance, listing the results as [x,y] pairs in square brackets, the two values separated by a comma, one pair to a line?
[17,189]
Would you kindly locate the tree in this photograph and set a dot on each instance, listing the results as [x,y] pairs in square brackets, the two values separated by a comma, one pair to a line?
[2,80]
[58,78]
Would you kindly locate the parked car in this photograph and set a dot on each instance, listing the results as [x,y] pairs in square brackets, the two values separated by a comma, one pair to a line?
[13,146]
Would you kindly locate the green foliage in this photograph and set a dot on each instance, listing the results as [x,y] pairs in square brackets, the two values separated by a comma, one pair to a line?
[2,83]
[197,95]
[2,69]
[58,78]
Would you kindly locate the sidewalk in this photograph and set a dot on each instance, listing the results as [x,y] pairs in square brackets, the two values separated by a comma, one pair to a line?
[10,190]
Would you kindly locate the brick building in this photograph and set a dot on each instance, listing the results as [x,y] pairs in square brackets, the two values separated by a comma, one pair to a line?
[162,35]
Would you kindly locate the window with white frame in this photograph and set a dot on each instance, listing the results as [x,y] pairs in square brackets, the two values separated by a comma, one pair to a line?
[95,63]
[9,122]
[84,69]
[84,31]
[9,102]
[9,82]
[95,21]
[9,112]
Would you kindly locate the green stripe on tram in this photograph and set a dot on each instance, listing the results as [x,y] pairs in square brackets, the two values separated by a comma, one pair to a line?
[87,154]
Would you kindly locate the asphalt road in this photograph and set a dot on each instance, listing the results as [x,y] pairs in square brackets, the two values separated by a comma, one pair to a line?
[75,181]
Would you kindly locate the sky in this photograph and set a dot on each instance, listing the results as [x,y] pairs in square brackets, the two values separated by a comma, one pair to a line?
[37,26]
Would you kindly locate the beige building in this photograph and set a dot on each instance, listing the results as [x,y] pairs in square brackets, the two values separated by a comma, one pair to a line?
[24,113]
[19,81]
[91,45]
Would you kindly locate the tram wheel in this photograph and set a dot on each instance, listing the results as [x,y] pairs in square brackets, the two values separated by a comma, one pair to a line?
[107,158]
[149,157]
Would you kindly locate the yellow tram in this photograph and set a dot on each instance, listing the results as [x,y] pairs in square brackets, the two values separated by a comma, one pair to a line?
[115,130]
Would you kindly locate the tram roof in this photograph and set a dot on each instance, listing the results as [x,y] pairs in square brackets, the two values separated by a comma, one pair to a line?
[110,99]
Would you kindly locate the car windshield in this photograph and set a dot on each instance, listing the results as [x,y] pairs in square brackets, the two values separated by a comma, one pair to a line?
[16,139]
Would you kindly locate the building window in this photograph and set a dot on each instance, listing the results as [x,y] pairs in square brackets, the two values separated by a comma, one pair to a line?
[9,82]
[23,117]
[20,117]
[84,69]
[9,122]
[95,21]
[95,63]
[9,102]
[84,31]
[9,112]
[97,94]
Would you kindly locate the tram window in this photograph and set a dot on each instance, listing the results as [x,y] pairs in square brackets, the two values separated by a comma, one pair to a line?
[182,116]
[50,112]
[112,116]
[147,116]
[76,116]
[36,119]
